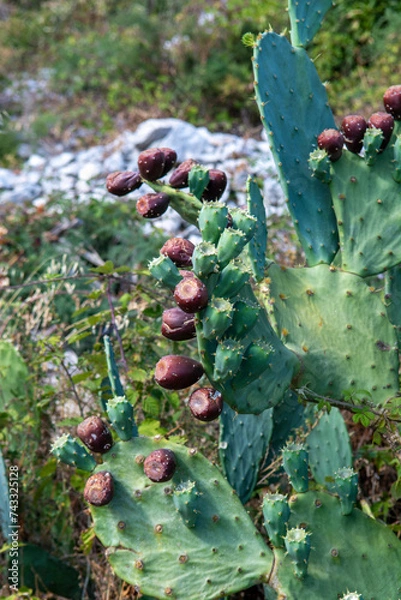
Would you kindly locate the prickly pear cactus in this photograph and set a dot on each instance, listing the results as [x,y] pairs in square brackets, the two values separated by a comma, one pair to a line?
[267,337]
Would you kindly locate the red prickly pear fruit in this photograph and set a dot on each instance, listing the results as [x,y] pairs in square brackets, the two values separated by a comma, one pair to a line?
[95,434]
[332,141]
[160,465]
[191,294]
[179,251]
[174,372]
[121,183]
[178,325]
[179,177]
[99,488]
[385,122]
[392,101]
[151,163]
[354,128]
[170,158]
[216,185]
[205,404]
[152,205]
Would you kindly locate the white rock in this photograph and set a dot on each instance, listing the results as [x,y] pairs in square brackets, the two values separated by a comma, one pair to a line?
[8,179]
[56,162]
[90,170]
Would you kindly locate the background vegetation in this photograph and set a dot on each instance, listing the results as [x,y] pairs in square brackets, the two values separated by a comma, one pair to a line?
[110,64]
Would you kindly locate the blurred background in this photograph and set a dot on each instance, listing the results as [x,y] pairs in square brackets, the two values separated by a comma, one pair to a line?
[84,70]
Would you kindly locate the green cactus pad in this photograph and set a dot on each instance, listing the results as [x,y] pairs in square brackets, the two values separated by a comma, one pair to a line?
[295,463]
[244,440]
[165,271]
[248,393]
[71,452]
[276,513]
[329,447]
[393,298]
[212,221]
[294,108]
[121,414]
[151,546]
[366,202]
[344,554]
[258,243]
[339,329]
[306,18]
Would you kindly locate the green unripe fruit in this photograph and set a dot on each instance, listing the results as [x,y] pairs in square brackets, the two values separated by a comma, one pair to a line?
[70,451]
[121,414]
[298,545]
[295,463]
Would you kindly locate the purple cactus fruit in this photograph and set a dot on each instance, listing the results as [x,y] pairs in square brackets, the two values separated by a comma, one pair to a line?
[95,434]
[152,205]
[151,163]
[179,177]
[174,372]
[354,128]
[216,185]
[191,294]
[178,325]
[170,158]
[332,141]
[385,122]
[160,465]
[121,183]
[179,251]
[99,488]
[205,404]
[392,101]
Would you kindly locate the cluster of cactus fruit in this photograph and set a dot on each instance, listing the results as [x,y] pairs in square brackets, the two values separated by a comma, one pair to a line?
[266,335]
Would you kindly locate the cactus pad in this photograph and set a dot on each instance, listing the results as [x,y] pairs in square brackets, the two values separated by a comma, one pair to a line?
[339,329]
[344,554]
[152,545]
[294,108]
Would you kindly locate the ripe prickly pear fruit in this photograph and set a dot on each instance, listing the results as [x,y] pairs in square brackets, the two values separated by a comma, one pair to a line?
[191,294]
[170,158]
[392,101]
[121,183]
[216,186]
[385,122]
[332,141]
[206,404]
[151,163]
[179,251]
[152,205]
[160,465]
[179,177]
[174,372]
[178,325]
[354,128]
[95,434]
[99,488]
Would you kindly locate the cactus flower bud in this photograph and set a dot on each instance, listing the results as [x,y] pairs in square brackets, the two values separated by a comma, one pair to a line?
[99,488]
[179,251]
[121,183]
[354,128]
[179,177]
[178,325]
[160,465]
[174,372]
[205,404]
[152,205]
[385,122]
[151,163]
[191,294]
[332,141]
[216,186]
[392,101]
[95,434]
